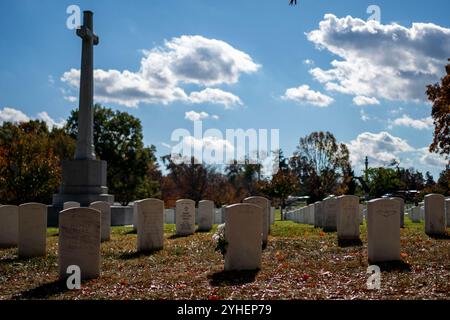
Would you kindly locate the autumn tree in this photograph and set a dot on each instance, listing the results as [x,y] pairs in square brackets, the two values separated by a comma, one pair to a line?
[321,165]
[244,177]
[439,95]
[186,179]
[29,168]
[282,183]
[118,139]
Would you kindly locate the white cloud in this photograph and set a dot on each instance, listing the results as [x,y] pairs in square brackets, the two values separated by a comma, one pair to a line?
[309,62]
[17,116]
[12,115]
[407,121]
[49,121]
[70,98]
[215,96]
[304,95]
[166,145]
[364,116]
[364,101]
[164,70]
[432,159]
[386,61]
[381,148]
[209,142]
[215,117]
[195,116]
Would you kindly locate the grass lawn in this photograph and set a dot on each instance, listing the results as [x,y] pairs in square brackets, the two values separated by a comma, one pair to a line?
[300,262]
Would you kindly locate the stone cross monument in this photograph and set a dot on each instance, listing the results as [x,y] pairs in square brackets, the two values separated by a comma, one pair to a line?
[85,140]
[84,178]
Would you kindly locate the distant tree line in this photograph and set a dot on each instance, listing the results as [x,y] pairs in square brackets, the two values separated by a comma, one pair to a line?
[31,153]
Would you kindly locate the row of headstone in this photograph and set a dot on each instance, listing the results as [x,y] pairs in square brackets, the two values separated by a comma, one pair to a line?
[105,210]
[303,215]
[24,227]
[217,218]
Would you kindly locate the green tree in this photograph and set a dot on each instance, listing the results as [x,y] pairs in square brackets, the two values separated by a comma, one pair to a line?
[383,181]
[29,168]
[118,139]
[321,165]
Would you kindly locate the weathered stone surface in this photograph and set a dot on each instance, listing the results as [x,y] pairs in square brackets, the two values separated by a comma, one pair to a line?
[9,226]
[206,211]
[185,217]
[105,209]
[435,214]
[264,204]
[447,210]
[79,241]
[383,230]
[401,203]
[71,204]
[348,218]
[150,225]
[243,232]
[330,212]
[32,230]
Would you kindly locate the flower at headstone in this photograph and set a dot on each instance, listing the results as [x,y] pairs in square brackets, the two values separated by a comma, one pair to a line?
[219,238]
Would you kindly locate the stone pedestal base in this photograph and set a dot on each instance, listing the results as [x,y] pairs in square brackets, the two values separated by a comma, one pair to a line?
[83,181]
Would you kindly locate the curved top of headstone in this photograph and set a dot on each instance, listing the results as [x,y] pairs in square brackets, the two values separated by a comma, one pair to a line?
[33,204]
[185,200]
[434,195]
[100,203]
[150,201]
[256,197]
[242,205]
[8,206]
[77,211]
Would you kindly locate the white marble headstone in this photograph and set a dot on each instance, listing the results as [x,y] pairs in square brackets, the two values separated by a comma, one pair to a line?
[435,214]
[185,217]
[79,241]
[447,210]
[206,211]
[150,225]
[243,233]
[9,226]
[264,204]
[70,204]
[32,230]
[105,209]
[348,218]
[330,213]
[383,230]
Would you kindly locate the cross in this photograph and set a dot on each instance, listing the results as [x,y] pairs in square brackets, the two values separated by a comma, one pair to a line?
[85,139]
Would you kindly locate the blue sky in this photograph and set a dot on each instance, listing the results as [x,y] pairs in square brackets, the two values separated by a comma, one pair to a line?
[240,64]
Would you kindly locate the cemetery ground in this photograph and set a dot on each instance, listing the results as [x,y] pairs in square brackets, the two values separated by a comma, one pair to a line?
[300,262]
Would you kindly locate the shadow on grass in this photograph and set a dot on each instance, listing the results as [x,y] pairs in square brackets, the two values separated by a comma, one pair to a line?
[202,231]
[132,231]
[439,236]
[397,265]
[11,260]
[232,278]
[329,230]
[137,255]
[177,236]
[44,291]
[343,243]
